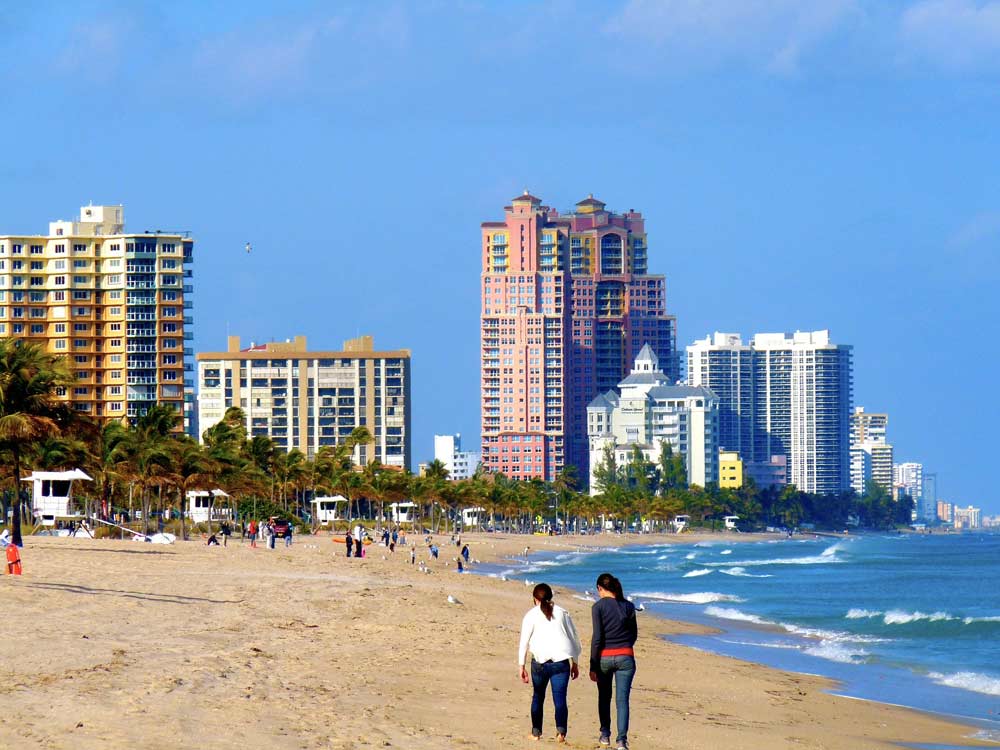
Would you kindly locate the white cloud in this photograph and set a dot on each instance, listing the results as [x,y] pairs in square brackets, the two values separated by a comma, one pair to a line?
[955,34]
[769,34]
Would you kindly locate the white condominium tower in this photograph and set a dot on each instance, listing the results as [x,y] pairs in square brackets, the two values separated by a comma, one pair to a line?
[871,453]
[783,394]
[460,464]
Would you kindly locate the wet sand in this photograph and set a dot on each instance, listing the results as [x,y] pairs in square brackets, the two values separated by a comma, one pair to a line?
[111,644]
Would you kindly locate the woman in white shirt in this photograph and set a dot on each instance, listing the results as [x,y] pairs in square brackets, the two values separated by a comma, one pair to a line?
[548,633]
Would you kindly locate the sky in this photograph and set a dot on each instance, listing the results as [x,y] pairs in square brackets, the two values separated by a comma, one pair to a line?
[800,164]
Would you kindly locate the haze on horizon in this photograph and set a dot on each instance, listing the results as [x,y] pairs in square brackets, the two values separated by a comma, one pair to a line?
[829,164]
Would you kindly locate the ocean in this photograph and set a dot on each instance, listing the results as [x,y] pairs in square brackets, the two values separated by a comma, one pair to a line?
[912,620]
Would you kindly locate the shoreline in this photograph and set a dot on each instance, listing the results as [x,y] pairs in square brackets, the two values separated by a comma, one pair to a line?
[117,644]
[836,686]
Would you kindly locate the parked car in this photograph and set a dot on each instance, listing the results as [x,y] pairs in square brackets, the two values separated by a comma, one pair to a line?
[282,527]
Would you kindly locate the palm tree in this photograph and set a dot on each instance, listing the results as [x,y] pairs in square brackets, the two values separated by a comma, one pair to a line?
[144,453]
[30,409]
[191,468]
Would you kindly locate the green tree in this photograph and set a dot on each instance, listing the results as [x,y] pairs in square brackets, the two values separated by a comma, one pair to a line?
[606,473]
[30,408]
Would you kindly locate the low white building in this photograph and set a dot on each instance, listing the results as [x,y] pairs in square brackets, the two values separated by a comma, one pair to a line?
[460,464]
[402,512]
[646,412]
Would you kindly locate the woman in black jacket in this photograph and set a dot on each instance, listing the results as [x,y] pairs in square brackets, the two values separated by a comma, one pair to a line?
[612,659]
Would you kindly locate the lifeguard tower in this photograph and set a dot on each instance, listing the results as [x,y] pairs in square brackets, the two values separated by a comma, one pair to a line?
[401,512]
[327,509]
[52,496]
[680,523]
[471,516]
[199,503]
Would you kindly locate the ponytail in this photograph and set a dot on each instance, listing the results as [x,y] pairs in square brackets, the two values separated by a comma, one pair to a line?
[543,595]
[609,583]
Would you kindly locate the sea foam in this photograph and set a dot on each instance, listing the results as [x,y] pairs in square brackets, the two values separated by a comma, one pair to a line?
[977,683]
[700,597]
[697,573]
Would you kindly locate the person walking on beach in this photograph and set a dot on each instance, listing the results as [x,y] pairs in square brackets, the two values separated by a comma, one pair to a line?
[225,531]
[349,543]
[612,659]
[548,633]
[252,533]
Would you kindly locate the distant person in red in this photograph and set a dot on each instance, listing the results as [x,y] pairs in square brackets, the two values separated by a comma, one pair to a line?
[252,533]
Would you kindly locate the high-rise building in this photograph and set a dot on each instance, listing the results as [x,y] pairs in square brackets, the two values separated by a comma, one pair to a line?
[927,504]
[646,411]
[460,464]
[309,399]
[724,363]
[871,454]
[908,479]
[967,518]
[116,304]
[567,303]
[783,395]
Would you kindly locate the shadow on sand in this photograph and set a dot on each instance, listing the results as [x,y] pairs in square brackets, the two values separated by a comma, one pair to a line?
[148,596]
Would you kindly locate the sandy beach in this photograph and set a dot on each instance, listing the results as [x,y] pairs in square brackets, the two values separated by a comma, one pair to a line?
[112,644]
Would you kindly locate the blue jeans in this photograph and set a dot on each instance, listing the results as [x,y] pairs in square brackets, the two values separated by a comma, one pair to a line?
[288,540]
[556,672]
[621,670]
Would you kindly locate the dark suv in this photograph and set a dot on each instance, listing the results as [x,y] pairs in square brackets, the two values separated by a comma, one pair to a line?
[282,527]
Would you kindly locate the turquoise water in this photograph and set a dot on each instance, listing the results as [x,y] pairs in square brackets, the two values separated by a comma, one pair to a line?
[904,619]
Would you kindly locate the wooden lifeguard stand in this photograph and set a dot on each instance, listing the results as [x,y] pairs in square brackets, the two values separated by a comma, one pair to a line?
[52,496]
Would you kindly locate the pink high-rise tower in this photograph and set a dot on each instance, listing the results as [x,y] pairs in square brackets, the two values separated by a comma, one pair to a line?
[567,305]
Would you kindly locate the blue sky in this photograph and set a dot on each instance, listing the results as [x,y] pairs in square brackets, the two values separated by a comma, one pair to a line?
[801,165]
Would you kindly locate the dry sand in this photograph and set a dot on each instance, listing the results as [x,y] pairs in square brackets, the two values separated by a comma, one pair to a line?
[110,644]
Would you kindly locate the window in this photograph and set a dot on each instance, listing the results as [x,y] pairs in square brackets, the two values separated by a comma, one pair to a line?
[17,265]
[114,390]
[115,311]
[169,312]
[38,281]
[76,280]
[36,249]
[38,312]
[36,265]
[115,406]
[60,328]
[36,296]
[81,359]
[115,342]
[169,263]
[61,344]
[59,296]
[168,280]
[169,296]
[169,327]
[17,312]
[170,359]
[60,249]
[79,248]
[78,295]
[16,249]
[170,375]
[79,310]
[115,327]
[80,327]
[81,391]
[37,328]
[79,264]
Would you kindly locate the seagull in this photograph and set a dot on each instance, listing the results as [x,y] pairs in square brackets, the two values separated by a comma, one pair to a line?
[248,248]
[453,600]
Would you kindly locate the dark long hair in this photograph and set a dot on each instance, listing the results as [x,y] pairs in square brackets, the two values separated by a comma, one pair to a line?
[609,583]
[543,595]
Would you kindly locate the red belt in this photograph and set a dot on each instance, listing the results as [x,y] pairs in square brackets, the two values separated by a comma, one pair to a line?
[626,651]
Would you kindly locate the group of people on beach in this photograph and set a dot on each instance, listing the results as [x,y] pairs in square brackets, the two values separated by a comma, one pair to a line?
[549,635]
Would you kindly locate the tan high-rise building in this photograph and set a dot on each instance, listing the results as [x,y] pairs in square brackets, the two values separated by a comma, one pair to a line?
[307,400]
[115,304]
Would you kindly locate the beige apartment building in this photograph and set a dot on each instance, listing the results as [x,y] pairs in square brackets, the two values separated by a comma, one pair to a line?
[117,305]
[307,400]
